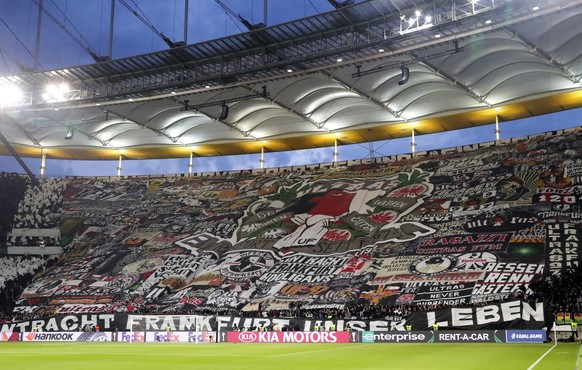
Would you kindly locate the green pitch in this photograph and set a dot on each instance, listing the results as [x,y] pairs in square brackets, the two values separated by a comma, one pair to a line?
[360,356]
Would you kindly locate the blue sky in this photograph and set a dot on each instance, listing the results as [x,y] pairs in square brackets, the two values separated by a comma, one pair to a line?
[207,20]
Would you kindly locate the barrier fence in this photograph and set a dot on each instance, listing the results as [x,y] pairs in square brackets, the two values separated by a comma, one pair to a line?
[445,336]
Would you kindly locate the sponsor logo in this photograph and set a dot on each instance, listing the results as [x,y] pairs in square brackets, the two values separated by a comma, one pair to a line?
[30,336]
[526,336]
[166,337]
[136,336]
[396,337]
[49,336]
[463,337]
[247,337]
[481,336]
[289,337]
[194,337]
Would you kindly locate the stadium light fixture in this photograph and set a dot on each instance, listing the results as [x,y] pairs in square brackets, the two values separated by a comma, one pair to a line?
[415,22]
[9,95]
[56,92]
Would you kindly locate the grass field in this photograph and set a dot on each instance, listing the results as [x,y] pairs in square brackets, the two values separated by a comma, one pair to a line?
[110,356]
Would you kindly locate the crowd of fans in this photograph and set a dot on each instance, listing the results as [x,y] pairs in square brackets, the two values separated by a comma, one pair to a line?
[563,292]
[12,189]
[39,205]
[16,272]
[40,208]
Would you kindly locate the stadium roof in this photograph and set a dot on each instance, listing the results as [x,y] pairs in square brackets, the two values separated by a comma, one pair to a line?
[308,82]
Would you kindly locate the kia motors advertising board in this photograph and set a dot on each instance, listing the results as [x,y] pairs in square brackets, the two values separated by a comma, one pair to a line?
[288,336]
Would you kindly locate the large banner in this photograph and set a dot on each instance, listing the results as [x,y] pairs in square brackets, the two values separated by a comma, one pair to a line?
[449,229]
[507,315]
[121,323]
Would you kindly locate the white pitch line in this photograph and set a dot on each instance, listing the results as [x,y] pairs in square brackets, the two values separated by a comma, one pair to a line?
[578,358]
[541,357]
[317,350]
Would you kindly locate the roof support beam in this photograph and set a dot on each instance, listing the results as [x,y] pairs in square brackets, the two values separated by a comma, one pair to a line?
[539,51]
[287,108]
[363,95]
[33,179]
[453,81]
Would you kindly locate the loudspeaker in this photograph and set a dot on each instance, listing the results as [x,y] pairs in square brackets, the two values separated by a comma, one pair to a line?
[405,76]
[223,113]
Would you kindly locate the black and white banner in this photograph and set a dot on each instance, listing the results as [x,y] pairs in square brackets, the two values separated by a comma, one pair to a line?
[506,315]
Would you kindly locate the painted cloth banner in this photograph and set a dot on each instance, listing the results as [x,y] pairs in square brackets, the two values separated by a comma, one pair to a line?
[465,227]
[506,315]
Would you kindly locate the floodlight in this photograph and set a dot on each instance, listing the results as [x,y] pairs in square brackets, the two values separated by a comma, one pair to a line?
[56,92]
[9,95]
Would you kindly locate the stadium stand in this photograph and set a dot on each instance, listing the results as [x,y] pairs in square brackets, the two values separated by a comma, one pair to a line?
[481,237]
[38,214]
[12,189]
[369,240]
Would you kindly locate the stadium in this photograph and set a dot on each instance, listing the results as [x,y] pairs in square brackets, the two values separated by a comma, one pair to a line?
[457,257]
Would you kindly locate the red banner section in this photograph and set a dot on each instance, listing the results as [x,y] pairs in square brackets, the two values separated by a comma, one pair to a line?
[288,337]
